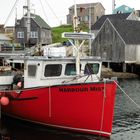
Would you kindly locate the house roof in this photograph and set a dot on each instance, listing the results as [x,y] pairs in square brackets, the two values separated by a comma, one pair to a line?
[129,30]
[102,19]
[4,37]
[40,21]
[123,9]
[85,5]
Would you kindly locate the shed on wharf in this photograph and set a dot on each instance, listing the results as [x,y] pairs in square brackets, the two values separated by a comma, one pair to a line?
[118,44]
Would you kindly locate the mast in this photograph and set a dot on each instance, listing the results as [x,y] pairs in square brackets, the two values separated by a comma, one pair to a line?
[28,20]
[75,26]
[75,18]
[78,36]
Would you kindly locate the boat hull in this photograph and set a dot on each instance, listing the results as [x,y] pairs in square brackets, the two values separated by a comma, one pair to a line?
[87,107]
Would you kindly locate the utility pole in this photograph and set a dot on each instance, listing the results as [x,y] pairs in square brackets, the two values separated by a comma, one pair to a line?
[90,13]
[113,5]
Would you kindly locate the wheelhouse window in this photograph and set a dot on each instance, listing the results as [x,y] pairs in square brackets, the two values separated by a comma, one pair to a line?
[53,70]
[71,69]
[32,70]
[91,68]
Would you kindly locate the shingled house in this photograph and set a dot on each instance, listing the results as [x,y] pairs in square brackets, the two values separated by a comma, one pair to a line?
[87,13]
[40,31]
[127,16]
[118,41]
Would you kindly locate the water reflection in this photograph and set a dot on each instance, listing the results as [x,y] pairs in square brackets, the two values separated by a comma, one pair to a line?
[19,130]
[126,125]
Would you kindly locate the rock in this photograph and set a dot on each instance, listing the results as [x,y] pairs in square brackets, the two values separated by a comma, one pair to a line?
[108,73]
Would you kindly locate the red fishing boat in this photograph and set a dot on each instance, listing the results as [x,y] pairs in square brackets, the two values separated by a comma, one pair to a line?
[82,107]
[67,93]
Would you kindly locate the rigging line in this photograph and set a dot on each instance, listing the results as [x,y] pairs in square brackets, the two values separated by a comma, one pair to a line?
[50,99]
[127,95]
[43,10]
[103,107]
[11,11]
[52,11]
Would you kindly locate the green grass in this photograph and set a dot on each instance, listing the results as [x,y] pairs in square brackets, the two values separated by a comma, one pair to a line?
[57,32]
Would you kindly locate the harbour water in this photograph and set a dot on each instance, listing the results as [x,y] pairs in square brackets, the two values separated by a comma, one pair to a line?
[126,124]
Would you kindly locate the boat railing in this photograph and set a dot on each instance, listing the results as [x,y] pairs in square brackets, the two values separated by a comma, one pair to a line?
[6,73]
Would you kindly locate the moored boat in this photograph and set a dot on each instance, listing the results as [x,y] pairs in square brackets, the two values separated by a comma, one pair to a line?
[62,92]
[66,92]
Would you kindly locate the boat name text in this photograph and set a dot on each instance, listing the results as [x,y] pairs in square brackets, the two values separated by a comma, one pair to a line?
[81,89]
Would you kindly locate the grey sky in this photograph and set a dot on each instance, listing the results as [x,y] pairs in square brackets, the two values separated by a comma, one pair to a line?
[53,11]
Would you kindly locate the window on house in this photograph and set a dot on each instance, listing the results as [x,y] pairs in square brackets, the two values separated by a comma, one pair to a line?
[86,18]
[80,18]
[32,70]
[119,12]
[20,34]
[53,70]
[91,68]
[33,34]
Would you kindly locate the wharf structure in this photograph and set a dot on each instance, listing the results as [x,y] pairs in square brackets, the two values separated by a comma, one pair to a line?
[117,41]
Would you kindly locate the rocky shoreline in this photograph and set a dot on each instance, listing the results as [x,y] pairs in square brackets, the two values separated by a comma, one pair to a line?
[108,73]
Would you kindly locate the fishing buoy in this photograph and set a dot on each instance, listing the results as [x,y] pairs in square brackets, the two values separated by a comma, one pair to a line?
[4,100]
[19,84]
